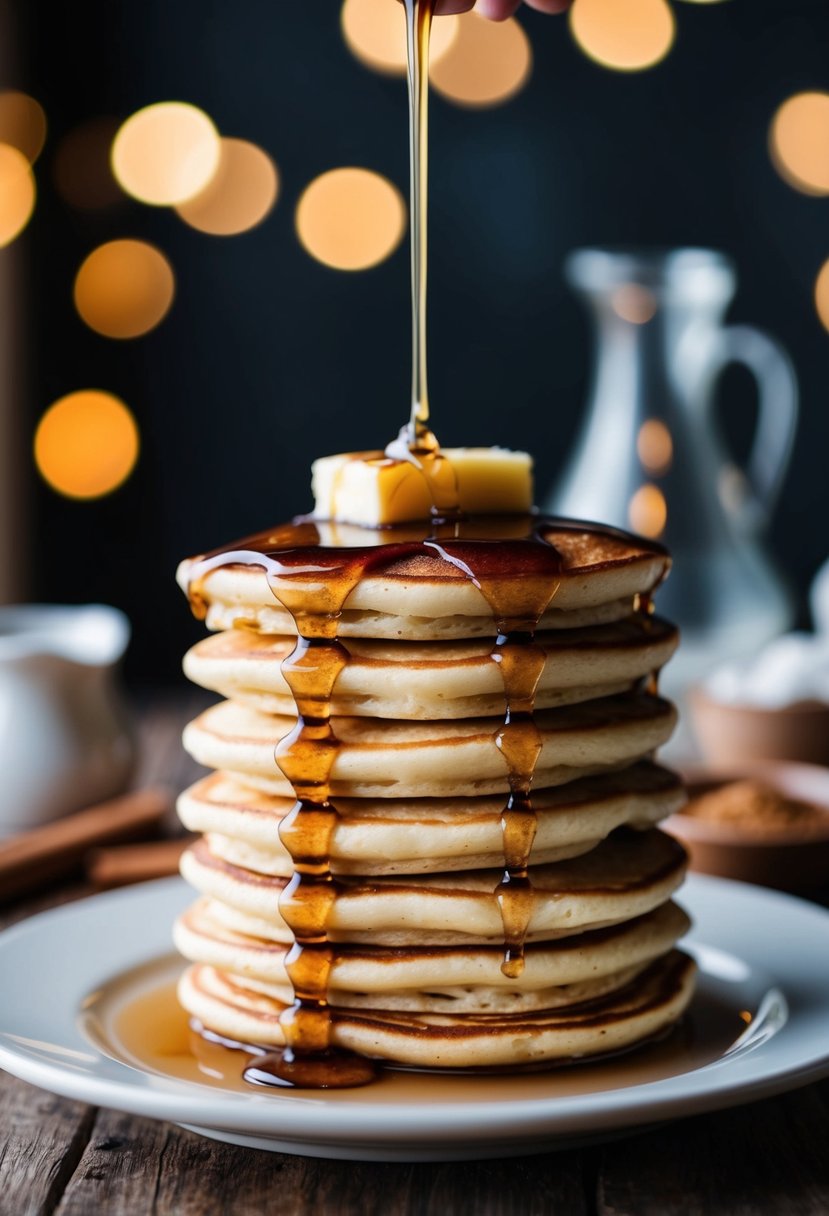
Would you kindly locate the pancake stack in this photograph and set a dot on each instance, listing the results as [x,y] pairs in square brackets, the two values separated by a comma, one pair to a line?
[496,891]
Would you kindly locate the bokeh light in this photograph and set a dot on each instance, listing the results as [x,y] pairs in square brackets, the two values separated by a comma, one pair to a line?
[17,193]
[654,446]
[86,444]
[22,123]
[633,302]
[124,288]
[626,35]
[82,170]
[487,63]
[799,142]
[350,218]
[166,153]
[822,295]
[375,32]
[648,511]
[239,195]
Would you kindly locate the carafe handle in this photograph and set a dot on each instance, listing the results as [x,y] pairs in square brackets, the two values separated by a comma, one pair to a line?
[777,413]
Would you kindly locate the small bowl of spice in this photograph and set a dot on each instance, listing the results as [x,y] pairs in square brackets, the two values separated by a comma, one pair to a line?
[772,704]
[766,823]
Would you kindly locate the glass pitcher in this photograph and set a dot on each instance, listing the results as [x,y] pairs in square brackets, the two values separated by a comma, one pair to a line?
[650,456]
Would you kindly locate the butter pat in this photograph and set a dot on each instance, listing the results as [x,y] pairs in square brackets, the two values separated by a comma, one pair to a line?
[374,489]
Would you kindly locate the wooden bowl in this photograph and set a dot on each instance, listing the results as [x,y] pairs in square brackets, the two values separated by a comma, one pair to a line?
[789,862]
[734,734]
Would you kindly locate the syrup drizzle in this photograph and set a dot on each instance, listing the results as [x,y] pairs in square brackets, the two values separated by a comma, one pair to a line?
[517,608]
[645,608]
[306,757]
[416,444]
[418,29]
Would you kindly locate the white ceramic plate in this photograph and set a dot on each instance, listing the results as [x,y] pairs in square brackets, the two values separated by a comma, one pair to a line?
[764,958]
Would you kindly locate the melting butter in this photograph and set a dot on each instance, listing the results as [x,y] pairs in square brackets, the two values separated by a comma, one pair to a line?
[373,489]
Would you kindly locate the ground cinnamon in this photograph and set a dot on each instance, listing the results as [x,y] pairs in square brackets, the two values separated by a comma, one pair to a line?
[758,809]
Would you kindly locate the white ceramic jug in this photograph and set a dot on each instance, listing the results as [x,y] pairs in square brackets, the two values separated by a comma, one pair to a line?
[65,738]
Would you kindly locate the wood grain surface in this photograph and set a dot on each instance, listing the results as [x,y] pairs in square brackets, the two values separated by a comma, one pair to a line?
[770,1158]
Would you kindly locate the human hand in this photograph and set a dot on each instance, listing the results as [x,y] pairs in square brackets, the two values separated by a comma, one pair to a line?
[499,10]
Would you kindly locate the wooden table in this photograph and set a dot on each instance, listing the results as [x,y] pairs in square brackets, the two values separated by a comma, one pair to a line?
[66,1157]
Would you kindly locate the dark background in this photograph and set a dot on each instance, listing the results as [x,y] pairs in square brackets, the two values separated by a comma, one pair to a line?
[269,359]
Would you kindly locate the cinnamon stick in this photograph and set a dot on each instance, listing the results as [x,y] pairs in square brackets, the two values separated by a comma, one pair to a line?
[34,859]
[119,865]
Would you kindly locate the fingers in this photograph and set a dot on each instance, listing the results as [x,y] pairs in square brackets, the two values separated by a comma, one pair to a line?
[549,6]
[497,10]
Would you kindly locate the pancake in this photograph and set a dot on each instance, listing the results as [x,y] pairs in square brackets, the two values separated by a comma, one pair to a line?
[267,618]
[626,876]
[396,836]
[387,759]
[418,593]
[446,979]
[455,1001]
[436,680]
[653,1000]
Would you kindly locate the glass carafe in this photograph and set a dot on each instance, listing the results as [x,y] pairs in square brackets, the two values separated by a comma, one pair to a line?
[650,456]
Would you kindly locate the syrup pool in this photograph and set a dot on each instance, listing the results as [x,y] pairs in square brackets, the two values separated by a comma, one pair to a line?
[136,1019]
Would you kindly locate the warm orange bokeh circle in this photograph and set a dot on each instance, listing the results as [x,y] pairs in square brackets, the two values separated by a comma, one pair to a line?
[86,444]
